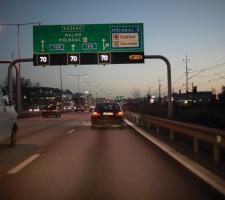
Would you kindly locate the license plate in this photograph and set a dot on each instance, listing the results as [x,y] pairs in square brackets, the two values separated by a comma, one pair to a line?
[107,113]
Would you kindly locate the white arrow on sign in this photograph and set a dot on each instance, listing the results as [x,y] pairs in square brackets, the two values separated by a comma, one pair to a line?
[104,44]
[42,45]
[73,47]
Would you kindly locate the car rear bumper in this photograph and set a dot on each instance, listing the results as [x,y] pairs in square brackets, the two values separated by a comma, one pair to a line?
[50,114]
[107,123]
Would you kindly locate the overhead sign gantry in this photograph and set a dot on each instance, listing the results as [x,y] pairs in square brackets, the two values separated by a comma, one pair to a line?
[88,44]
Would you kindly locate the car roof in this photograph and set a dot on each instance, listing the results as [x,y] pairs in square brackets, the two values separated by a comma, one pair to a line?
[108,103]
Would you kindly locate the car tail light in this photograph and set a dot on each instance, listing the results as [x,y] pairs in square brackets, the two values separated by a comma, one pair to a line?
[95,114]
[119,114]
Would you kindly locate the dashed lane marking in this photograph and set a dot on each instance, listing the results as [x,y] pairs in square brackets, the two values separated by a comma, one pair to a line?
[86,123]
[23,164]
[70,131]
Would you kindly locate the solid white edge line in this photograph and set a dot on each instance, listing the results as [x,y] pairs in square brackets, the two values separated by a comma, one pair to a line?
[23,164]
[212,179]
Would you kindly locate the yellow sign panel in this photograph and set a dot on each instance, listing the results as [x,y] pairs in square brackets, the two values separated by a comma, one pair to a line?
[136,57]
[122,40]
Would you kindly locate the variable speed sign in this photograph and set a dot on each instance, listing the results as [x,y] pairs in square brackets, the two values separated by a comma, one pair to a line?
[88,44]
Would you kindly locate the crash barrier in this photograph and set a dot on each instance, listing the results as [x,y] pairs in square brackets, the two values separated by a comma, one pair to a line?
[198,133]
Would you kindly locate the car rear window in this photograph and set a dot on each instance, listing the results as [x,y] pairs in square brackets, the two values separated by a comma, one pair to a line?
[107,107]
[53,108]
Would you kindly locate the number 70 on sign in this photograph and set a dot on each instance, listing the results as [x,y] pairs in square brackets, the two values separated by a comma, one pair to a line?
[104,58]
[43,59]
[73,58]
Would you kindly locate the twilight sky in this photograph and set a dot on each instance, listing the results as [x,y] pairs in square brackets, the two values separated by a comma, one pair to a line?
[172,28]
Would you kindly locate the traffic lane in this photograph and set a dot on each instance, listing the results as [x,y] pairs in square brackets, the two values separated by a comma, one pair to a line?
[47,130]
[29,126]
[104,164]
[126,166]
[37,134]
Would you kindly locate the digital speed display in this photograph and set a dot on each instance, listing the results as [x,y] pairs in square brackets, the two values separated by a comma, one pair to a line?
[73,59]
[104,58]
[89,58]
[43,59]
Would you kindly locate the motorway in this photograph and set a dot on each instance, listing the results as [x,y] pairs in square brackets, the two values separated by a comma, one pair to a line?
[68,160]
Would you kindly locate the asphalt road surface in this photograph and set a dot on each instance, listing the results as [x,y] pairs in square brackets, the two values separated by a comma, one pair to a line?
[72,162]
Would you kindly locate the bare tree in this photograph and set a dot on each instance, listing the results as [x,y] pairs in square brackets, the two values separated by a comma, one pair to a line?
[26,82]
[37,84]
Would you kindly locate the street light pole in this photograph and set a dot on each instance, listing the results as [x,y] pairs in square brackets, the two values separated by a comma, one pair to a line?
[95,91]
[18,32]
[89,90]
[78,83]
[186,60]
[60,73]
[18,53]
[78,79]
[18,42]
[89,85]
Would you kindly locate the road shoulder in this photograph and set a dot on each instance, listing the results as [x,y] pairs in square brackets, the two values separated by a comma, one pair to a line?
[206,175]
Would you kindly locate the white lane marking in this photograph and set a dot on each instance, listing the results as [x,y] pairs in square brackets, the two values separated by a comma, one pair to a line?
[203,173]
[86,123]
[70,131]
[23,164]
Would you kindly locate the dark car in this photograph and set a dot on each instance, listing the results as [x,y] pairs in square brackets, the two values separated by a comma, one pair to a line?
[51,110]
[79,108]
[107,115]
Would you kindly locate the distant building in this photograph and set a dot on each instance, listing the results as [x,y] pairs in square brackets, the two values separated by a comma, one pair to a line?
[205,96]
[40,96]
[41,92]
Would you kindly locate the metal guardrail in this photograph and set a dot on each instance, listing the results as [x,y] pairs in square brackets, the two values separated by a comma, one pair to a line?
[213,136]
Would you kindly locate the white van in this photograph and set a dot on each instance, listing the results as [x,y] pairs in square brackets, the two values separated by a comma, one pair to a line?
[8,116]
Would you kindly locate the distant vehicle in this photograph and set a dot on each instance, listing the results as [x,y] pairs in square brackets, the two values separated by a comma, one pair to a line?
[67,107]
[79,108]
[35,109]
[107,115]
[8,116]
[51,110]
[74,108]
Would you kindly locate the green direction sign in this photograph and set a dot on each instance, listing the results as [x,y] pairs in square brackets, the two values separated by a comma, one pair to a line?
[90,38]
[119,98]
